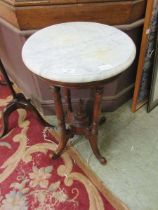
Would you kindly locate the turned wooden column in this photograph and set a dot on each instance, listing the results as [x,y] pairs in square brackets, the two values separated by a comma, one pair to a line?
[93,134]
[61,121]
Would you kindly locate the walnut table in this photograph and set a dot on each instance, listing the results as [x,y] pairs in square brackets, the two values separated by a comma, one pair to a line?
[78,55]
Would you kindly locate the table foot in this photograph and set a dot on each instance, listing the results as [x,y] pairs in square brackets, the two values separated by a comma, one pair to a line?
[5,118]
[102,120]
[95,123]
[60,149]
[19,102]
[80,124]
[93,143]
[55,155]
[102,160]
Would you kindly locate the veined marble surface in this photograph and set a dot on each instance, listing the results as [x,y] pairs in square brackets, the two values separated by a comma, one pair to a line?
[78,52]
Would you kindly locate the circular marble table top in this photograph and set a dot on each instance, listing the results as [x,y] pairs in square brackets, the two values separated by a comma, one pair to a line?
[78,52]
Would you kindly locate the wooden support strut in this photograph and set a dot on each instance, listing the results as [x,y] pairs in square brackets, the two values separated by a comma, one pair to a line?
[95,122]
[79,122]
[61,122]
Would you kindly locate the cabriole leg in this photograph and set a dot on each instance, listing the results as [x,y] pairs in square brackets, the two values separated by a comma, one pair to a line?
[61,122]
[95,122]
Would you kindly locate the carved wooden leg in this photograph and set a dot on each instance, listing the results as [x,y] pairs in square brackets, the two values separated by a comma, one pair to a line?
[67,94]
[68,104]
[95,122]
[61,122]
[19,102]
[102,120]
[5,117]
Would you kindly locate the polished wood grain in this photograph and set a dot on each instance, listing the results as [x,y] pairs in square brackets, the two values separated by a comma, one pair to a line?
[95,123]
[29,17]
[61,122]
[8,13]
[68,103]
[49,2]
[79,122]
[38,2]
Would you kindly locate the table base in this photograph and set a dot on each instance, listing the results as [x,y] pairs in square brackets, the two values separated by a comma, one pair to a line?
[79,122]
[19,101]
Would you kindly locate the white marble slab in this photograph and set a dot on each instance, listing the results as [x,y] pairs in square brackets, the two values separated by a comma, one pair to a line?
[78,52]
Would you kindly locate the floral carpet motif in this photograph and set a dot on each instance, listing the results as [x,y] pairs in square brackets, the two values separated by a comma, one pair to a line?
[30,179]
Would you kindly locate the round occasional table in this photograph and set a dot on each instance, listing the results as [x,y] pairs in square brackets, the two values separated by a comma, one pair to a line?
[78,55]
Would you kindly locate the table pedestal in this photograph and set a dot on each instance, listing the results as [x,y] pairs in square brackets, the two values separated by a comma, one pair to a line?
[19,101]
[80,123]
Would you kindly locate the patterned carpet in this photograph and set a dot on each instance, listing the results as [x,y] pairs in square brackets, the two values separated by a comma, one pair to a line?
[31,180]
